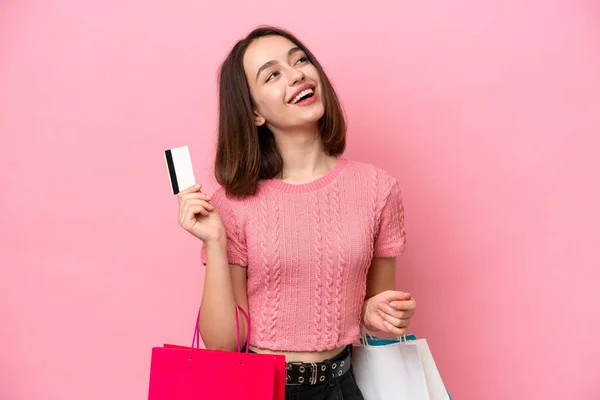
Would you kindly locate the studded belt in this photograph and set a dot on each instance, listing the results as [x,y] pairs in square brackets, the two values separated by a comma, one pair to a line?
[301,373]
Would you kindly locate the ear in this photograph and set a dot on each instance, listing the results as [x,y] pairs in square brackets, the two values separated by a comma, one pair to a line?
[258,119]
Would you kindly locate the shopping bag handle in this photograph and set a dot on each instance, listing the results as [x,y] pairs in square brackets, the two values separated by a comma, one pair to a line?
[365,341]
[196,338]
[237,328]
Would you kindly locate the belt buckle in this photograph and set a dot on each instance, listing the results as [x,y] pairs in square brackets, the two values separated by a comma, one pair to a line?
[313,373]
[288,367]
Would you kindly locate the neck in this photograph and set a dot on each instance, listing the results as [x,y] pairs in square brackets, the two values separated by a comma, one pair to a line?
[304,158]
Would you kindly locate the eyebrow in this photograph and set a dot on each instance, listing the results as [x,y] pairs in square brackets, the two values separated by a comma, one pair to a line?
[273,62]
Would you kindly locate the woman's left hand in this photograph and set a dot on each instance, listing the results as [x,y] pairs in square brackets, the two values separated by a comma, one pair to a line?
[389,311]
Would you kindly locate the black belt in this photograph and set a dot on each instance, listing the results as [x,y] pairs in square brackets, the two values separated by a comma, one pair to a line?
[301,373]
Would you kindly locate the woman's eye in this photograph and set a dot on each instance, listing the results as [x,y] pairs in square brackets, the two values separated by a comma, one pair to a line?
[301,60]
[272,76]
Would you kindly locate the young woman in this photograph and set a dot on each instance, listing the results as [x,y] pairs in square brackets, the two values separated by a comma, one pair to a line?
[302,238]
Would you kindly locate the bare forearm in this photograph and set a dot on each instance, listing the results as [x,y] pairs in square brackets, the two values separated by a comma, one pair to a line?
[217,318]
[381,277]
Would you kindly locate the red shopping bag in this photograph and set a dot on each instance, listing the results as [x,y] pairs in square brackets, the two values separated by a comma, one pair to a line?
[188,373]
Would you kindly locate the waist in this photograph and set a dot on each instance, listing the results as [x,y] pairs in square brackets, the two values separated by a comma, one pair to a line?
[318,372]
[304,356]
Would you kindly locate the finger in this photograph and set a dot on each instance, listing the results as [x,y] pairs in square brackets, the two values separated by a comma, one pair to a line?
[393,330]
[395,295]
[378,325]
[397,322]
[197,210]
[193,207]
[195,195]
[393,312]
[404,305]
[195,202]
[191,189]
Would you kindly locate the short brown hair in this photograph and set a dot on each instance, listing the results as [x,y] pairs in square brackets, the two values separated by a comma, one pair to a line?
[247,153]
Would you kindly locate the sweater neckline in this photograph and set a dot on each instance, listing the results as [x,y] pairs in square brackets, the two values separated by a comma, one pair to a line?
[318,183]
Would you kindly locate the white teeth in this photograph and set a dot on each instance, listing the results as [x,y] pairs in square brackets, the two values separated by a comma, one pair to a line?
[302,93]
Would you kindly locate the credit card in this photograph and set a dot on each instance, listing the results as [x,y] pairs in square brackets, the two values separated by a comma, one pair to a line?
[179,165]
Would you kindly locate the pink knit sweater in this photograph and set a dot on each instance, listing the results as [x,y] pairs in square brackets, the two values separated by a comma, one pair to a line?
[307,248]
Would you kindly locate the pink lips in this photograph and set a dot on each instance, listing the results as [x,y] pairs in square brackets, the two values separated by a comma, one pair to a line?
[306,102]
[300,89]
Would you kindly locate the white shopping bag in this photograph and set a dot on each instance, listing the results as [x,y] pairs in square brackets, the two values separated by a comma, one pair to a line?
[435,384]
[391,371]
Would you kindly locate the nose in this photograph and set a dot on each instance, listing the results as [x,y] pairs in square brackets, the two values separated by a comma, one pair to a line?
[295,76]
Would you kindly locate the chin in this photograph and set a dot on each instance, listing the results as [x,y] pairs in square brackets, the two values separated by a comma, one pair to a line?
[311,120]
[305,118]
[316,113]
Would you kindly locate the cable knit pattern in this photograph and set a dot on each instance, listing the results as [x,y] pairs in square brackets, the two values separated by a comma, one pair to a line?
[318,265]
[329,267]
[265,319]
[308,249]
[339,262]
[275,268]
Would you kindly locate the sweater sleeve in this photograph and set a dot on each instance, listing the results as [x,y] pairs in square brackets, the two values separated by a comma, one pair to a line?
[391,237]
[236,240]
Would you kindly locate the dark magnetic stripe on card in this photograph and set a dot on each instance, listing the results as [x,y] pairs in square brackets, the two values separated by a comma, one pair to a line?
[172,173]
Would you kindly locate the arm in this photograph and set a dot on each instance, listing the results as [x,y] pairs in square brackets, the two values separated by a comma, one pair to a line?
[385,309]
[224,288]
[381,276]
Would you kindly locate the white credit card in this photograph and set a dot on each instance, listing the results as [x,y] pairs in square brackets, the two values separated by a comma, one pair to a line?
[179,165]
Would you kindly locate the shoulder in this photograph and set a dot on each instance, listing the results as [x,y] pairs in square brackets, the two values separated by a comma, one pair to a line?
[369,169]
[219,198]
[220,195]
[377,178]
[226,204]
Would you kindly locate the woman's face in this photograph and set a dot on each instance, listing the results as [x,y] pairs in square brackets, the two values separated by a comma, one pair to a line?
[285,86]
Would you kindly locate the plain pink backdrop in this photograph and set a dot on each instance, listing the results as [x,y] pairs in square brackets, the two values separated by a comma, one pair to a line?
[488,112]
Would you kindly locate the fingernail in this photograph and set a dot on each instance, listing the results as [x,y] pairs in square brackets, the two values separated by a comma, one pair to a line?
[393,304]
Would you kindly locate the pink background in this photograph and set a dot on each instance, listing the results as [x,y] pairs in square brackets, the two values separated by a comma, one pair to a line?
[486,111]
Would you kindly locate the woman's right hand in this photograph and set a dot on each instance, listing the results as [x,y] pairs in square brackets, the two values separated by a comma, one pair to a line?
[198,216]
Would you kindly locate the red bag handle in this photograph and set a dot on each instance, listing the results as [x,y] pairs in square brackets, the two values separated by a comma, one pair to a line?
[196,338]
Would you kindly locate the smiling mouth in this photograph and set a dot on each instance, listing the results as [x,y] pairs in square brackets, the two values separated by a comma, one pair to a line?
[303,95]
